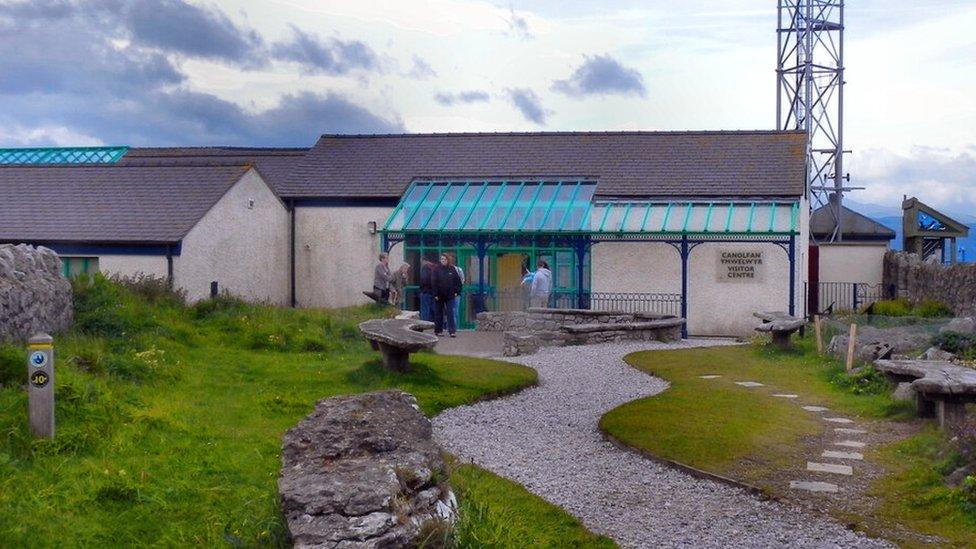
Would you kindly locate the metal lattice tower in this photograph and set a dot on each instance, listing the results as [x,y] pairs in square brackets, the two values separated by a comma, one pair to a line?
[810,93]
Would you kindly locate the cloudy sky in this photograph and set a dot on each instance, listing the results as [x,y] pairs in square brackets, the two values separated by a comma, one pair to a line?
[281,72]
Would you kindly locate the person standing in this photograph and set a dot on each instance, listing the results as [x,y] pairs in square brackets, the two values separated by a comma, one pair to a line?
[447,287]
[541,285]
[426,290]
[382,278]
[400,279]
[457,302]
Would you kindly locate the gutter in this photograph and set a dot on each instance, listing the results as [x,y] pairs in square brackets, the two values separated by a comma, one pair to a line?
[169,266]
[291,252]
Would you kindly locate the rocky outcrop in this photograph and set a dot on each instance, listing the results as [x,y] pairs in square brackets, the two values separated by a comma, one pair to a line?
[916,281]
[874,343]
[363,471]
[34,296]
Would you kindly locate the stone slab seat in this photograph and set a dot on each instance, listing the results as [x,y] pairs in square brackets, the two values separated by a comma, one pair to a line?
[396,338]
[780,324]
[942,388]
[623,326]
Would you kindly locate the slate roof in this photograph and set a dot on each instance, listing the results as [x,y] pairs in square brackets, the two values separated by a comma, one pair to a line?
[108,203]
[274,164]
[853,225]
[625,164]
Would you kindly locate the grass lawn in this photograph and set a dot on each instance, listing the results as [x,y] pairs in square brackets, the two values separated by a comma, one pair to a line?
[723,428]
[170,418]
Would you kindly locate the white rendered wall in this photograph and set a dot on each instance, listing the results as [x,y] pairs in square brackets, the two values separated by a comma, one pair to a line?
[714,308]
[335,255]
[243,248]
[862,263]
[131,265]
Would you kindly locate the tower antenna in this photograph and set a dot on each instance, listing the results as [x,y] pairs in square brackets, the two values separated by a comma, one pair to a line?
[810,95]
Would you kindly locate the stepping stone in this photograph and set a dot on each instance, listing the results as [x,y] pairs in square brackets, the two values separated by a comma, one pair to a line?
[813,486]
[837,420]
[749,384]
[709,377]
[786,395]
[815,408]
[847,431]
[850,444]
[829,468]
[842,455]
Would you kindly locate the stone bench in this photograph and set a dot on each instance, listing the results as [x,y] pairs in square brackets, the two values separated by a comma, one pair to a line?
[942,389]
[781,325]
[396,338]
[666,329]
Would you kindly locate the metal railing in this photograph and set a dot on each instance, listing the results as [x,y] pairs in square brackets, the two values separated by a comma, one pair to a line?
[842,296]
[518,299]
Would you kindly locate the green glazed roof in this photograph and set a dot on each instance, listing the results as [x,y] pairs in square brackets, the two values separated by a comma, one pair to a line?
[567,207]
[62,155]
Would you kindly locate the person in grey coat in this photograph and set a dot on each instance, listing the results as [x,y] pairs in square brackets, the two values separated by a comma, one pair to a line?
[382,278]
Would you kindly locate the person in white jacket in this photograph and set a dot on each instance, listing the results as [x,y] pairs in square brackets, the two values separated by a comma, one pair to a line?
[541,285]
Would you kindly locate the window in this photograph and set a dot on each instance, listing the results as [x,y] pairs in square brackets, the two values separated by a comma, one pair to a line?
[74,266]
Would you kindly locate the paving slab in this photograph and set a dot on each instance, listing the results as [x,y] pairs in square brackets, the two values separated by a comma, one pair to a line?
[830,468]
[837,420]
[849,431]
[850,444]
[749,383]
[815,408]
[813,486]
[786,395]
[710,376]
[841,455]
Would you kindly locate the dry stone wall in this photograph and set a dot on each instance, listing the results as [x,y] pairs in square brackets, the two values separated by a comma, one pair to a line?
[916,281]
[34,296]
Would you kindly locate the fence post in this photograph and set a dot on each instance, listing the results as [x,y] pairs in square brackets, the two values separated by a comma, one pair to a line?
[818,331]
[851,343]
[40,385]
[854,300]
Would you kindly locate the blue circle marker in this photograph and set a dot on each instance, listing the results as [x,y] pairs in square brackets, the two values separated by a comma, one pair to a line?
[38,359]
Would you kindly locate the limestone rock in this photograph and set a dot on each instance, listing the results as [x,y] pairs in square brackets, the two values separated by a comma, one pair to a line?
[363,471]
[904,391]
[966,325]
[935,353]
[34,296]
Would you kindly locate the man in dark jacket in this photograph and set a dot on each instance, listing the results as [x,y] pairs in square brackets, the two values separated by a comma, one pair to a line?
[446,286]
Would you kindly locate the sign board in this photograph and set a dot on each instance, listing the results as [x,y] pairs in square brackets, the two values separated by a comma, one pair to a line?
[736,265]
[40,385]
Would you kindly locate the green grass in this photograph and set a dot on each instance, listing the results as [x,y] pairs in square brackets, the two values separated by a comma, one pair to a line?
[714,424]
[169,418]
[914,493]
[496,512]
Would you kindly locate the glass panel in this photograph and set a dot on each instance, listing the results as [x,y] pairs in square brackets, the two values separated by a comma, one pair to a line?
[636,217]
[423,209]
[446,207]
[497,215]
[616,216]
[523,202]
[696,221]
[534,220]
[760,220]
[480,213]
[740,218]
[565,198]
[465,205]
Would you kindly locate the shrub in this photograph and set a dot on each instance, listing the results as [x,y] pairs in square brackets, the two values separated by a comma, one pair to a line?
[932,309]
[963,345]
[103,308]
[151,288]
[13,365]
[224,304]
[864,381]
[891,307]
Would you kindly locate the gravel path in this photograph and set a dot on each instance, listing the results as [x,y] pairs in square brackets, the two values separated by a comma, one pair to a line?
[546,438]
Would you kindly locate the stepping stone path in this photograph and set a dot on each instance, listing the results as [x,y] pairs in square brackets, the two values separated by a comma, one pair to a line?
[830,468]
[786,395]
[815,408]
[841,455]
[710,377]
[847,431]
[813,486]
[749,384]
[850,444]
[837,420]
